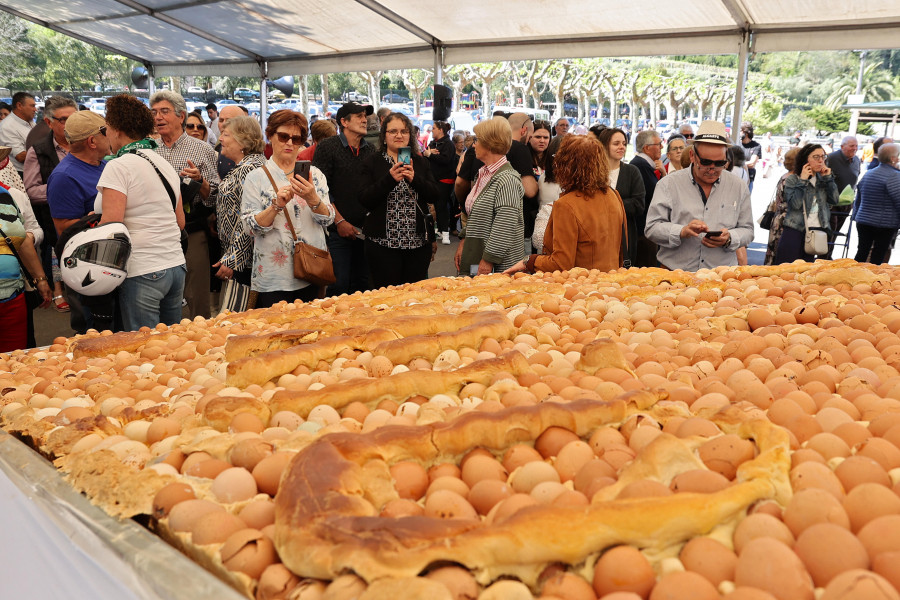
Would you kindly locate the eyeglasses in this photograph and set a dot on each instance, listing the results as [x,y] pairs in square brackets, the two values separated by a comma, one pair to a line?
[397,132]
[719,164]
[688,136]
[284,138]
[103,130]
[194,126]
[817,157]
[161,111]
[60,120]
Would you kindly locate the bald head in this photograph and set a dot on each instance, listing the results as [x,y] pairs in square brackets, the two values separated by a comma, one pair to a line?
[229,111]
[522,127]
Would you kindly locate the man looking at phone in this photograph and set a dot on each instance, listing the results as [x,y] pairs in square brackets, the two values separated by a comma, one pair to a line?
[340,158]
[700,216]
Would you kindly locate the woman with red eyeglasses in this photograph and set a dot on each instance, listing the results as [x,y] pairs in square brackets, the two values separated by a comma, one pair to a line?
[811,191]
[273,193]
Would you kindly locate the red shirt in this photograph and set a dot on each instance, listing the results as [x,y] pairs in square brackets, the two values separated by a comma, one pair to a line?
[307,153]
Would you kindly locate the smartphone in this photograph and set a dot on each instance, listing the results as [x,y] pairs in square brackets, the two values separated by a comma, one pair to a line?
[404,155]
[301,169]
[714,233]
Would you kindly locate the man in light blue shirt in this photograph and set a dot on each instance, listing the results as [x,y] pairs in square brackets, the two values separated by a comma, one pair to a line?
[700,216]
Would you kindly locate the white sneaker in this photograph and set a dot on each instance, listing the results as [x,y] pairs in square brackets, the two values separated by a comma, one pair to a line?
[445,238]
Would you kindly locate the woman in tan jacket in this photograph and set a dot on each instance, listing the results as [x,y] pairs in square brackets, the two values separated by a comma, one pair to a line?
[588,221]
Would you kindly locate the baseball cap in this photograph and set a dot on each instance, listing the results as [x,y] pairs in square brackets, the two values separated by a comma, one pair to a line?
[82,125]
[712,132]
[351,108]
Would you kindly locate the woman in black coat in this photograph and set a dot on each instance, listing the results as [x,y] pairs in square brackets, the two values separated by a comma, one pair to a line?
[399,229]
[625,179]
[441,154]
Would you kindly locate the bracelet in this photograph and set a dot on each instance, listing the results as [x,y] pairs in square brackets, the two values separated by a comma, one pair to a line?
[339,221]
[277,208]
[38,279]
[316,207]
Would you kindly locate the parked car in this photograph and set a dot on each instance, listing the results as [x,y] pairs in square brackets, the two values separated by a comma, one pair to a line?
[354,96]
[245,95]
[394,98]
[462,120]
[294,104]
[196,90]
[97,105]
[225,101]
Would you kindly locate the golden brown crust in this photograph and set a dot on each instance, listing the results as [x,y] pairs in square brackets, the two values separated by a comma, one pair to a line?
[239,346]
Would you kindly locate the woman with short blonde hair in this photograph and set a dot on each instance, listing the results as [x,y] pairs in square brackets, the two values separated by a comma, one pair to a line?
[247,133]
[494,135]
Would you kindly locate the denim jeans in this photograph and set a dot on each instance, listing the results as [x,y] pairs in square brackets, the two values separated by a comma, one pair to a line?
[153,298]
[348,256]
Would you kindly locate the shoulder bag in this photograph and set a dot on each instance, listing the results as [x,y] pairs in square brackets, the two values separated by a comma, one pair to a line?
[165,182]
[33,297]
[310,263]
[815,242]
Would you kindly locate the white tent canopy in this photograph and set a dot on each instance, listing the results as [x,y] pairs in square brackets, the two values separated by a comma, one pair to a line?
[289,37]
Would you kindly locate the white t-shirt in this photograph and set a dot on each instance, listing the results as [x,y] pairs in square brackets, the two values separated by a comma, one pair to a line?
[149,217]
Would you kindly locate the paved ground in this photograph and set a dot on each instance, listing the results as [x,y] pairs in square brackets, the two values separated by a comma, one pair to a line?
[50,324]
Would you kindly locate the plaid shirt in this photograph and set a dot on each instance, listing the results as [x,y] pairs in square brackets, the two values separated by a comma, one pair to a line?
[484,177]
[198,152]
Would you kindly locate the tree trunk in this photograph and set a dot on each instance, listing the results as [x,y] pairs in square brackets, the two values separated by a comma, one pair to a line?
[486,99]
[324,93]
[303,88]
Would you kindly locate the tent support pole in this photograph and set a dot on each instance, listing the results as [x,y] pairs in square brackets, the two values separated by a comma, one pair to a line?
[263,94]
[151,80]
[438,64]
[743,67]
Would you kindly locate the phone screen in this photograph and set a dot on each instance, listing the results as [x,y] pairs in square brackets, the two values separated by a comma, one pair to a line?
[404,155]
[301,169]
[714,233]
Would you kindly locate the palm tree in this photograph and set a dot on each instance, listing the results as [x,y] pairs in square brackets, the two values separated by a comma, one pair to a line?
[877,85]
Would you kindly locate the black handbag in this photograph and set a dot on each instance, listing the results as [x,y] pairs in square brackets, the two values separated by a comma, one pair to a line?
[766,220]
[33,297]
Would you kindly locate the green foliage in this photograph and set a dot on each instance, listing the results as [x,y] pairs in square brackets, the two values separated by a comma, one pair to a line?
[797,120]
[765,115]
[830,121]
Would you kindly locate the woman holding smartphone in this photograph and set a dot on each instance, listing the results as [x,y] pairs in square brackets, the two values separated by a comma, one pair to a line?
[269,193]
[397,187]
[809,190]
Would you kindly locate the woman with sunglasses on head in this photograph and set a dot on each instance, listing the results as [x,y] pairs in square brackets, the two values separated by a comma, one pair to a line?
[399,232]
[441,154]
[809,190]
[272,195]
[195,127]
[625,179]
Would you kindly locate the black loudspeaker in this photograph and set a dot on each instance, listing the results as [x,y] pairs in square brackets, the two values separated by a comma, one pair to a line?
[140,77]
[285,85]
[443,103]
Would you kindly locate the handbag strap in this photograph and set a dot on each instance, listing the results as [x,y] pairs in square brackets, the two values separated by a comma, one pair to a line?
[285,211]
[162,177]
[12,247]
[805,220]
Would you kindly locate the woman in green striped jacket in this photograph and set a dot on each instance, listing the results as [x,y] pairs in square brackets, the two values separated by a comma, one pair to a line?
[495,227]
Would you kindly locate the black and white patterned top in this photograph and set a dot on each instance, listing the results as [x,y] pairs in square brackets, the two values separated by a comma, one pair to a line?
[237,244]
[400,227]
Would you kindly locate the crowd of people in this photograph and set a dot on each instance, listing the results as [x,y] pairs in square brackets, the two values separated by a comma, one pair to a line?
[218,204]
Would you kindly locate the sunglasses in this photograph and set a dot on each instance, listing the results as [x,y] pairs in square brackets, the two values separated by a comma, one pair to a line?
[688,136]
[103,130]
[284,138]
[719,164]
[194,126]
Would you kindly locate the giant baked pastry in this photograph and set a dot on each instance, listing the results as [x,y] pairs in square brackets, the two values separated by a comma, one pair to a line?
[582,395]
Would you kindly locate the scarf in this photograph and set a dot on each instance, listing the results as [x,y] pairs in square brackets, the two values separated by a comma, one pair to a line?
[145,144]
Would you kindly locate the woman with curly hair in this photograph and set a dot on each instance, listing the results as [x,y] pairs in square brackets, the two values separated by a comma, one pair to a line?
[588,221]
[132,192]
[274,196]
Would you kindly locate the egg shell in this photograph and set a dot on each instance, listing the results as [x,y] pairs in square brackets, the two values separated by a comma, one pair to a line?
[247,453]
[828,550]
[815,475]
[161,428]
[623,569]
[867,502]
[709,558]
[552,440]
[509,506]
[410,479]
[572,458]
[234,485]
[528,476]
[170,495]
[267,472]
[856,470]
[447,504]
[401,507]
[258,514]
[248,551]
[700,481]
[748,593]
[506,589]
[246,421]
[644,488]
[569,586]
[276,583]
[185,515]
[458,581]
[810,506]
[518,455]
[887,564]
[725,453]
[344,587]
[547,492]
[215,528]
[207,469]
[761,525]
[769,565]
[859,584]
[453,484]
[443,470]
[683,586]
[485,494]
[479,468]
[881,535]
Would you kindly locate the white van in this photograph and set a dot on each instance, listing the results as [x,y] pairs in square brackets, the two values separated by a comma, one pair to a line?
[536,114]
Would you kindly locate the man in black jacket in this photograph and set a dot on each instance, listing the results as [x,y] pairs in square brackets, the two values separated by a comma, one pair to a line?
[648,161]
[340,159]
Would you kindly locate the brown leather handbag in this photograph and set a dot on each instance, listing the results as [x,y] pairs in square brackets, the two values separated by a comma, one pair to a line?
[310,263]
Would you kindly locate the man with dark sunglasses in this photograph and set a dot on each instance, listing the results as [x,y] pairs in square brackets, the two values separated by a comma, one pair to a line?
[700,216]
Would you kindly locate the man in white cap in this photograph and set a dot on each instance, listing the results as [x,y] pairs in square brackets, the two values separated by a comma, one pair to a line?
[700,216]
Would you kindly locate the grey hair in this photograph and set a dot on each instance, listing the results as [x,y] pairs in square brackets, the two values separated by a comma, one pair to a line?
[848,138]
[54,103]
[686,126]
[458,137]
[643,138]
[888,152]
[672,138]
[246,132]
[176,100]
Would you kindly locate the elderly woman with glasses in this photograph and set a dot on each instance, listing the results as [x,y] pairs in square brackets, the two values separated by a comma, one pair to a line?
[273,194]
[674,149]
[809,190]
[400,241]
